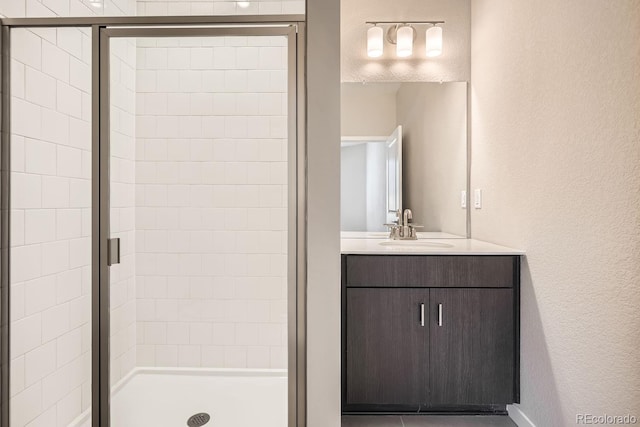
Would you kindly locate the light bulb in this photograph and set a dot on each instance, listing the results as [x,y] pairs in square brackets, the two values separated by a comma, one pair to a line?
[404,39]
[375,42]
[434,41]
[243,4]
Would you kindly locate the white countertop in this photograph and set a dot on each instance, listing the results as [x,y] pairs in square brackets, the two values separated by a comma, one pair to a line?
[423,246]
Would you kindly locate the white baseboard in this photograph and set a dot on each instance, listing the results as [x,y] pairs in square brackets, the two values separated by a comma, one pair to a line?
[519,417]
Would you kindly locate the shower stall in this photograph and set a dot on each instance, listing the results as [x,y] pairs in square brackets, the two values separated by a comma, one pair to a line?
[153,221]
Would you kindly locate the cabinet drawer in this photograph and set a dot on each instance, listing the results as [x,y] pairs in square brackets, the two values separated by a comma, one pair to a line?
[430,271]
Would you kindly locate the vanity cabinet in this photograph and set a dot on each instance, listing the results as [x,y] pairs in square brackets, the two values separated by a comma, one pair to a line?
[388,356]
[426,333]
[472,347]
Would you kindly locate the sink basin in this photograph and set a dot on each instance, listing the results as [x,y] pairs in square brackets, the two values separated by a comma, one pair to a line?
[364,234]
[415,244]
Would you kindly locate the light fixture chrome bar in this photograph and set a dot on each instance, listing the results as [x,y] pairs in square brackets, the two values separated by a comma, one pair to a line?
[404,22]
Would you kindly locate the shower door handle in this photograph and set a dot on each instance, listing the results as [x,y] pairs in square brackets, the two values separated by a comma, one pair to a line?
[113,251]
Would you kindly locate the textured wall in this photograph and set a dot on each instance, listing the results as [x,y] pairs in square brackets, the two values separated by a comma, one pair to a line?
[211,202]
[556,149]
[368,110]
[434,122]
[453,65]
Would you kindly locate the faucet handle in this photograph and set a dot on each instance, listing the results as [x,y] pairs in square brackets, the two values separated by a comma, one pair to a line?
[393,230]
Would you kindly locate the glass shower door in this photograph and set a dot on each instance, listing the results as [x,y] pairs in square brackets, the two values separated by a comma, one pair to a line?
[201,185]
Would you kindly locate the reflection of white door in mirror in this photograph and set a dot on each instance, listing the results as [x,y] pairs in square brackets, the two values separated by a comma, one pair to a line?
[394,174]
[371,181]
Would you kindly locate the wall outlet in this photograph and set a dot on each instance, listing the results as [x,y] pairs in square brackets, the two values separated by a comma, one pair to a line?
[463,199]
[477,199]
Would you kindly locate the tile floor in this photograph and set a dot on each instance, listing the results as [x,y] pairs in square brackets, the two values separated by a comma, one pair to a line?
[426,421]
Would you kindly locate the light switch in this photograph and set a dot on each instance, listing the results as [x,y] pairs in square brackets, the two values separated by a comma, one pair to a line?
[463,199]
[477,199]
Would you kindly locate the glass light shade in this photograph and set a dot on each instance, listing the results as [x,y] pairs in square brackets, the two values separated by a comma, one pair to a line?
[404,45]
[375,42]
[243,4]
[434,41]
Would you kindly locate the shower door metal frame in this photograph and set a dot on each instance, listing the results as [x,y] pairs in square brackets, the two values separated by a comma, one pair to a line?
[103,29]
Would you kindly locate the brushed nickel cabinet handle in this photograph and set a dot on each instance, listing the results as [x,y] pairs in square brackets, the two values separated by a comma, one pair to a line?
[422,314]
[439,314]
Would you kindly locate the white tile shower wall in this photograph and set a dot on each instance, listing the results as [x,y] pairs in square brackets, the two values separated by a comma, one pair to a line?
[51,218]
[65,8]
[51,228]
[123,151]
[219,7]
[211,197]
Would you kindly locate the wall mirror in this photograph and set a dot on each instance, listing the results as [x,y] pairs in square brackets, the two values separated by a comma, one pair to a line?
[404,146]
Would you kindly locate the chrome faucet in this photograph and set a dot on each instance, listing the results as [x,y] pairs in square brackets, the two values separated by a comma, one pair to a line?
[405,224]
[402,229]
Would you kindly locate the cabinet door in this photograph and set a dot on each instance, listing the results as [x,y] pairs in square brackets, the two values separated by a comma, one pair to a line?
[472,348]
[387,353]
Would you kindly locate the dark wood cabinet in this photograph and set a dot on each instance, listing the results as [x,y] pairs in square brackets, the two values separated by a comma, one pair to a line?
[472,347]
[388,359]
[464,359]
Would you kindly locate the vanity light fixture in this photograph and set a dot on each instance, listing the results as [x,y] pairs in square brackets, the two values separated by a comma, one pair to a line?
[404,41]
[375,42]
[403,34]
[243,4]
[434,41]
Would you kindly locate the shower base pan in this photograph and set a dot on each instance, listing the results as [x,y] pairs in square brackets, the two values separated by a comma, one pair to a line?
[170,397]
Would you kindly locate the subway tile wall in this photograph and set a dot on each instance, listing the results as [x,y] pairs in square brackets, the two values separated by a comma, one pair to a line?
[51,216]
[219,7]
[51,226]
[65,8]
[211,198]
[122,192]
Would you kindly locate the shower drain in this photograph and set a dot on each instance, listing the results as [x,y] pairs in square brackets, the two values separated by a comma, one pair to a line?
[198,420]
